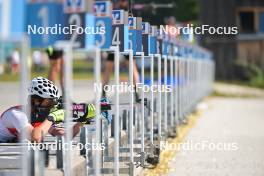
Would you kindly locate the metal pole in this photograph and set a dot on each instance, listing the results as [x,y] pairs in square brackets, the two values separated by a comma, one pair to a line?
[180,82]
[152,97]
[68,96]
[24,77]
[6,18]
[191,83]
[188,93]
[116,135]
[97,78]
[142,109]
[172,95]
[184,87]
[159,96]
[165,97]
[2,55]
[188,83]
[131,109]
[176,91]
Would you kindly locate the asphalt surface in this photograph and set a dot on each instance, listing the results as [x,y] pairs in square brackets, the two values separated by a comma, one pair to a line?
[236,124]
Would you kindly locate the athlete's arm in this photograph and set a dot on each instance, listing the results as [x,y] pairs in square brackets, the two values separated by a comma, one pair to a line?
[76,128]
[37,132]
[58,131]
[20,121]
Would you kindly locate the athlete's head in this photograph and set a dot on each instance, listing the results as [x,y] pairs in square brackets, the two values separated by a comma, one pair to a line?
[43,94]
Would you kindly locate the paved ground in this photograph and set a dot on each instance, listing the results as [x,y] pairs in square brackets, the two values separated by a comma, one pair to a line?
[237,90]
[234,122]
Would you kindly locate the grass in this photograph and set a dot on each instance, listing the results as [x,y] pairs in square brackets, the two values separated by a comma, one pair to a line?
[255,83]
[247,74]
[82,69]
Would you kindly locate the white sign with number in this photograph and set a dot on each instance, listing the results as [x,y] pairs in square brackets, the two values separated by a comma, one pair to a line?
[78,6]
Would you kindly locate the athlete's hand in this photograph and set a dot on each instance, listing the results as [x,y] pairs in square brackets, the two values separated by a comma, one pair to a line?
[83,112]
[56,116]
[57,131]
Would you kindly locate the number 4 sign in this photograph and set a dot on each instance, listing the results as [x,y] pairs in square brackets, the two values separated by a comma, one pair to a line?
[120,29]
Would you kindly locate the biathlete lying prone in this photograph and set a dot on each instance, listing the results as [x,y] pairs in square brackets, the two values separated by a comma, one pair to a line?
[46,111]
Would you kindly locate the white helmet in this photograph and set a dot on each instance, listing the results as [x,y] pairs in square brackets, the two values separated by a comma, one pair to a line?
[44,88]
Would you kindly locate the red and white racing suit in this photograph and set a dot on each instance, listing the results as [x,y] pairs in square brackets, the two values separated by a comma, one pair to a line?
[12,122]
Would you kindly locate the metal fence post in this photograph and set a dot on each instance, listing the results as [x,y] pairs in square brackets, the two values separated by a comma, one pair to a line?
[116,132]
[131,115]
[165,106]
[68,95]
